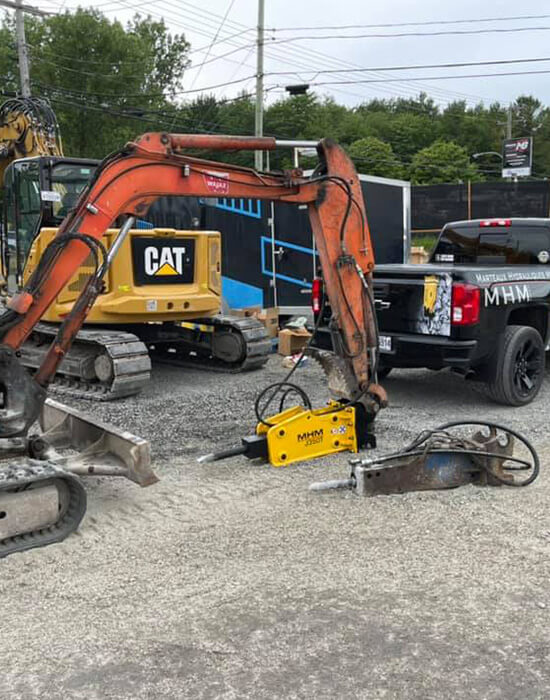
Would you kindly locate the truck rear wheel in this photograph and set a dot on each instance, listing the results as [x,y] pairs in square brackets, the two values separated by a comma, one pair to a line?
[519,367]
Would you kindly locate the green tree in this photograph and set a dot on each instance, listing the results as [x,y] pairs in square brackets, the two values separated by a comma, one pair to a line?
[409,132]
[443,161]
[295,117]
[107,83]
[375,157]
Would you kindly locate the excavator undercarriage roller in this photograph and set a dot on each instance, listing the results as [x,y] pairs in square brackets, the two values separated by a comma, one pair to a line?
[40,504]
[102,364]
[220,344]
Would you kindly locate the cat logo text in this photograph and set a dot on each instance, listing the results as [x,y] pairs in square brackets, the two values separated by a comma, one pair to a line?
[166,261]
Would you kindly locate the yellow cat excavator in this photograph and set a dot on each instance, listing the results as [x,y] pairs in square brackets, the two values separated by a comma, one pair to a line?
[161,299]
[41,499]
[28,127]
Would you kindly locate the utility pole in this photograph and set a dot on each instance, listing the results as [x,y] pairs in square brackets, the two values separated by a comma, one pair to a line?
[24,77]
[22,53]
[509,122]
[259,116]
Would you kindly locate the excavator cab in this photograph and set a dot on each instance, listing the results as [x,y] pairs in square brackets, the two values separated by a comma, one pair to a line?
[38,192]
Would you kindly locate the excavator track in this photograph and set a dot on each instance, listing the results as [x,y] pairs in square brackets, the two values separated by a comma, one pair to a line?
[233,345]
[39,504]
[105,364]
[102,365]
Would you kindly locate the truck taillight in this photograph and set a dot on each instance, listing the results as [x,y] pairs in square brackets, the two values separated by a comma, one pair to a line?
[465,304]
[316,294]
[495,222]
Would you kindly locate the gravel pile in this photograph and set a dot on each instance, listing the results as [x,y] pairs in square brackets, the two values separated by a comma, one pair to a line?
[232,580]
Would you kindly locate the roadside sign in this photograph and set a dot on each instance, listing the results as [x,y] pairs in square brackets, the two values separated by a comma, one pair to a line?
[517,156]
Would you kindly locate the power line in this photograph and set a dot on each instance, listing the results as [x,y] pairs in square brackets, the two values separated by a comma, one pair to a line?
[87,93]
[430,65]
[438,77]
[221,41]
[475,20]
[114,9]
[454,32]
[216,35]
[316,56]
[12,5]
[293,56]
[134,117]
[177,92]
[289,53]
[197,126]
[208,17]
[114,63]
[287,57]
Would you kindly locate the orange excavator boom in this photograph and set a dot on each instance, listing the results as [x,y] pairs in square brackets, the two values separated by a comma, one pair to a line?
[158,164]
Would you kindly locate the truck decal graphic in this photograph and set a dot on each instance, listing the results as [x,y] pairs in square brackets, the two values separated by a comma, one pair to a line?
[434,315]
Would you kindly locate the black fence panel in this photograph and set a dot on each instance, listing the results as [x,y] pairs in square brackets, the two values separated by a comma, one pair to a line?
[434,205]
[507,199]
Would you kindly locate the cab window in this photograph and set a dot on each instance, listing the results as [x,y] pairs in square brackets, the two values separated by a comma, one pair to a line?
[27,202]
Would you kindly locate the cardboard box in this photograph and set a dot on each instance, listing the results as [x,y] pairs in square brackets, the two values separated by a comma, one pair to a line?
[291,342]
[419,255]
[270,319]
[245,313]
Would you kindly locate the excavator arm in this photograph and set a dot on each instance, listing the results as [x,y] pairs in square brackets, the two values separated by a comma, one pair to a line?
[158,164]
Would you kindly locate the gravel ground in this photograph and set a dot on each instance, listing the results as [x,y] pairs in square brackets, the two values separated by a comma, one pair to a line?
[231,580]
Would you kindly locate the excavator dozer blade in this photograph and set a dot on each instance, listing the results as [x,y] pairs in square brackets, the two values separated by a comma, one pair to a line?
[101,449]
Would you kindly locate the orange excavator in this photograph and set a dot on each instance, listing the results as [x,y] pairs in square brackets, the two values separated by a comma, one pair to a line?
[41,498]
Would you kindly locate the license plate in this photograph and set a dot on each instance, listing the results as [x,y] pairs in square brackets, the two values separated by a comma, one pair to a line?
[384,343]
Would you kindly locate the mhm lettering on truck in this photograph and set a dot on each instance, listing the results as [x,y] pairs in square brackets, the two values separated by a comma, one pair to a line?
[506,294]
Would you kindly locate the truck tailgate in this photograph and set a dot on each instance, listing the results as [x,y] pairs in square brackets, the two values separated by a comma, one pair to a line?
[413,300]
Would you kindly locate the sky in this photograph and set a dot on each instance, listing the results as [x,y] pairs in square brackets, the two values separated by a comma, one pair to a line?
[222,34]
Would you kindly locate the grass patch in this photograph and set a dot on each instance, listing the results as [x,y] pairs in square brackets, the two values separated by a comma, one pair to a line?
[427,241]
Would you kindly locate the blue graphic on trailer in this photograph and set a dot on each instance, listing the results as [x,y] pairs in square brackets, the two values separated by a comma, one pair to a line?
[245,207]
[266,271]
[239,295]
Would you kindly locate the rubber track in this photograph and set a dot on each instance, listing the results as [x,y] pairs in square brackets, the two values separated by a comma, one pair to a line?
[130,359]
[254,334]
[21,476]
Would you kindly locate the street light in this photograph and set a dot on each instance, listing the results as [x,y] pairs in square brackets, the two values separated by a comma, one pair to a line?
[294,90]
[475,156]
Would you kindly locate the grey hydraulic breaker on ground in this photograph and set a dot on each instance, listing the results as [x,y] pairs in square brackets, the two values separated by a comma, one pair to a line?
[451,455]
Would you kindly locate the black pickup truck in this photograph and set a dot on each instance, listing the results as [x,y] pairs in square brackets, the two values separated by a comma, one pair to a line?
[480,307]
